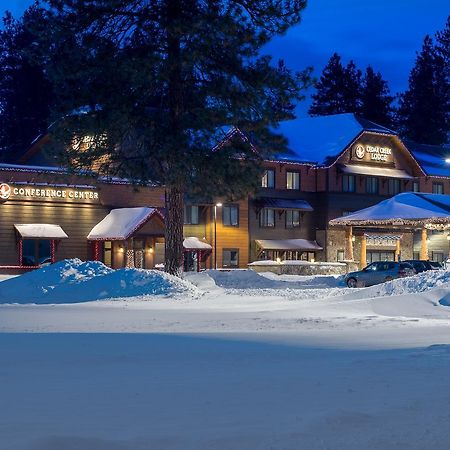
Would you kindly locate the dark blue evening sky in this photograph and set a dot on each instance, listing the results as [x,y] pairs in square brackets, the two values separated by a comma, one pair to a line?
[383,33]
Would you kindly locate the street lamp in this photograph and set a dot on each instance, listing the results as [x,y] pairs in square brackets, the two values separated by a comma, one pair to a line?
[217,205]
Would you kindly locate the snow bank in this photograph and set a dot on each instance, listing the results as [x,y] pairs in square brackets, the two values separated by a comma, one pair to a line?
[409,285]
[249,279]
[74,281]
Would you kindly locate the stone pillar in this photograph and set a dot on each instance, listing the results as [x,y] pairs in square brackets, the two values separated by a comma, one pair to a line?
[363,261]
[348,256]
[424,245]
[397,250]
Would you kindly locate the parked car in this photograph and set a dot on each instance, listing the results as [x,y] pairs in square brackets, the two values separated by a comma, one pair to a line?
[420,265]
[379,272]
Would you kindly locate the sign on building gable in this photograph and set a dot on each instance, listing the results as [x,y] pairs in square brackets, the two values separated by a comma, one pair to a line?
[374,153]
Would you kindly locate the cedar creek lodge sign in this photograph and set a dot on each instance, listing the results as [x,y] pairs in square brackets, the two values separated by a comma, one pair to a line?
[365,152]
[46,192]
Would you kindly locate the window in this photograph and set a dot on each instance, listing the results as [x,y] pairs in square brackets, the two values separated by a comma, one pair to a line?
[437,256]
[292,218]
[394,186]
[292,180]
[416,255]
[268,179]
[36,252]
[348,183]
[372,185]
[191,216]
[230,216]
[107,253]
[438,188]
[230,258]
[340,255]
[416,186]
[267,217]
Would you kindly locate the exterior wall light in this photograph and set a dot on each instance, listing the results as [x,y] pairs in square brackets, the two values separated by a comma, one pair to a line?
[278,260]
[447,160]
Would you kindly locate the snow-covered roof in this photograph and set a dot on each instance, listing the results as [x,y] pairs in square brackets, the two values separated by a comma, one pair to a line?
[194,243]
[288,244]
[121,223]
[40,231]
[432,158]
[317,139]
[405,208]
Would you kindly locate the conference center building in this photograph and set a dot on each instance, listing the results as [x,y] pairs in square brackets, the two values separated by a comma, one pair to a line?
[336,165]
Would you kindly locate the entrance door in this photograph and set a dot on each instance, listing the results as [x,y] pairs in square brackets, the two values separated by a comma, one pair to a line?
[138,247]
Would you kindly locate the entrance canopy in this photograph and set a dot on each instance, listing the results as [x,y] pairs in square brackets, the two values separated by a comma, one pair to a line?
[288,244]
[282,203]
[40,231]
[408,208]
[194,243]
[121,223]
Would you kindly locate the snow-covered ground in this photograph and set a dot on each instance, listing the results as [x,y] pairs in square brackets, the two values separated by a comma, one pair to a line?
[222,360]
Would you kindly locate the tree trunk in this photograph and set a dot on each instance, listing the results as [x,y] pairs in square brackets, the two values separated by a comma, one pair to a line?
[174,231]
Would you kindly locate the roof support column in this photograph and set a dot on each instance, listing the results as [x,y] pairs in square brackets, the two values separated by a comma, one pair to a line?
[348,256]
[363,261]
[424,245]
[398,250]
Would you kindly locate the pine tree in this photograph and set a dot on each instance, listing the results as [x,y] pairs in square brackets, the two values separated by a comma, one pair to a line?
[423,109]
[338,89]
[376,101]
[25,92]
[162,80]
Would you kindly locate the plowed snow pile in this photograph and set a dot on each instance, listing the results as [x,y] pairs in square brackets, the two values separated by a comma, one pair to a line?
[74,281]
[409,285]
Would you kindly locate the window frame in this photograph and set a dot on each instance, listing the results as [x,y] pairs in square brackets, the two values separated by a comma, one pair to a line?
[223,257]
[346,183]
[230,207]
[394,182]
[371,182]
[437,185]
[187,218]
[293,173]
[266,177]
[292,211]
[262,223]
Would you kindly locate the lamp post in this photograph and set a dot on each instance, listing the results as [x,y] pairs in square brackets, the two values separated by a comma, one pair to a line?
[217,205]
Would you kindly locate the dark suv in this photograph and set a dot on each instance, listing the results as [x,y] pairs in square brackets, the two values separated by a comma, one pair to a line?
[379,272]
[420,265]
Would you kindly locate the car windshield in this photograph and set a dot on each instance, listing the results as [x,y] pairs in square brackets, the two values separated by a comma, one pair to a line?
[372,266]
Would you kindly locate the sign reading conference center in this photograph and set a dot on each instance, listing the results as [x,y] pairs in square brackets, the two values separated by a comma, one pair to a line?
[374,153]
[9,192]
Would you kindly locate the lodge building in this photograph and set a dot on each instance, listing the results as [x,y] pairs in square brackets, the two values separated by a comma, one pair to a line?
[337,165]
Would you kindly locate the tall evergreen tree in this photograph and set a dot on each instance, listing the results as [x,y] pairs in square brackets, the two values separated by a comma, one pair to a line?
[338,89]
[25,92]
[162,79]
[423,108]
[376,101]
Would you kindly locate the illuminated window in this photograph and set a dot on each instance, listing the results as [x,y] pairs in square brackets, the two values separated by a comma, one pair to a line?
[230,216]
[191,216]
[292,219]
[267,217]
[268,179]
[292,180]
[230,258]
[107,253]
[348,183]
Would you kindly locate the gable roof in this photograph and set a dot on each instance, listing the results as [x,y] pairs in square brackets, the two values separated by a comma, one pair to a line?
[318,139]
[121,223]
